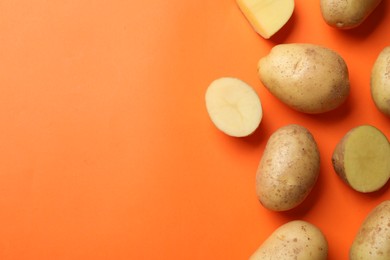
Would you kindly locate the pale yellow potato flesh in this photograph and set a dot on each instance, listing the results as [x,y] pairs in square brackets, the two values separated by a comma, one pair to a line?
[267,16]
[362,159]
[233,106]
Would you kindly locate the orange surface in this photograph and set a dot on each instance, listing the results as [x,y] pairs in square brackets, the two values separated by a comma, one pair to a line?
[107,148]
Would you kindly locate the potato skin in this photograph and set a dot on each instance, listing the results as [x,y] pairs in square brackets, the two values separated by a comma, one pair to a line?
[288,169]
[380,81]
[308,78]
[373,238]
[295,240]
[344,14]
[338,158]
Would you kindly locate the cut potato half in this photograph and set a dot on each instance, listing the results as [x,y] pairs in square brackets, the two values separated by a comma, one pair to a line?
[267,16]
[233,106]
[362,159]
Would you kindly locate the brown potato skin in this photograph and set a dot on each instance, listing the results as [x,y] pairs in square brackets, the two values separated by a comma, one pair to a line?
[288,169]
[338,158]
[349,14]
[373,238]
[296,239]
[380,81]
[308,78]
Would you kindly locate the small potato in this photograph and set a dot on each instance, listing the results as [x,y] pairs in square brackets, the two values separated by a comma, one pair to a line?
[295,240]
[361,159]
[288,169]
[267,17]
[308,78]
[344,14]
[233,106]
[380,81]
[373,238]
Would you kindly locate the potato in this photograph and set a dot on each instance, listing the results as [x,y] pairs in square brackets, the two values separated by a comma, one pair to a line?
[233,106]
[295,240]
[309,78]
[373,238]
[288,169]
[267,17]
[362,159]
[380,81]
[347,14]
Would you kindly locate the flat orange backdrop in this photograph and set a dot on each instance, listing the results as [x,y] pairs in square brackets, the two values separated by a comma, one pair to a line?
[107,151]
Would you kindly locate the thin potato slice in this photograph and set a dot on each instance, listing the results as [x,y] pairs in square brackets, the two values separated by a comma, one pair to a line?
[362,159]
[233,106]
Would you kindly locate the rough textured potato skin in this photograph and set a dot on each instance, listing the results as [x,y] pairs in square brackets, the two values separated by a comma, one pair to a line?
[380,81]
[308,78]
[295,240]
[345,14]
[338,158]
[288,169]
[372,241]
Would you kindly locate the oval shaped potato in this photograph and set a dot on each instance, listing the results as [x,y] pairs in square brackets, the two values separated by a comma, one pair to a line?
[380,81]
[361,159]
[347,14]
[295,240]
[233,106]
[309,78]
[373,238]
[288,169]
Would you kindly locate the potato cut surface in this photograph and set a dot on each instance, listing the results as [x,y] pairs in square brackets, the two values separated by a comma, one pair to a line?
[267,16]
[233,106]
[367,159]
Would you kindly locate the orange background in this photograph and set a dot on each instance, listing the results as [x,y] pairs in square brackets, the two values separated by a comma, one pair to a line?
[107,151]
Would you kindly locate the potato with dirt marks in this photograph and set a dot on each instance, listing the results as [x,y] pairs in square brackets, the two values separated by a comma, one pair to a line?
[309,78]
[288,169]
[372,241]
[362,159]
[380,81]
[295,240]
[344,14]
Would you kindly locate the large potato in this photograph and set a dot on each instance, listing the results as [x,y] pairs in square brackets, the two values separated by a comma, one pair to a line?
[295,240]
[347,14]
[372,241]
[380,81]
[288,169]
[309,78]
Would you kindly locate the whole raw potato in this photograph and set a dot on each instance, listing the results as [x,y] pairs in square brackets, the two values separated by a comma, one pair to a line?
[295,240]
[372,241]
[347,14]
[288,169]
[309,78]
[380,81]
